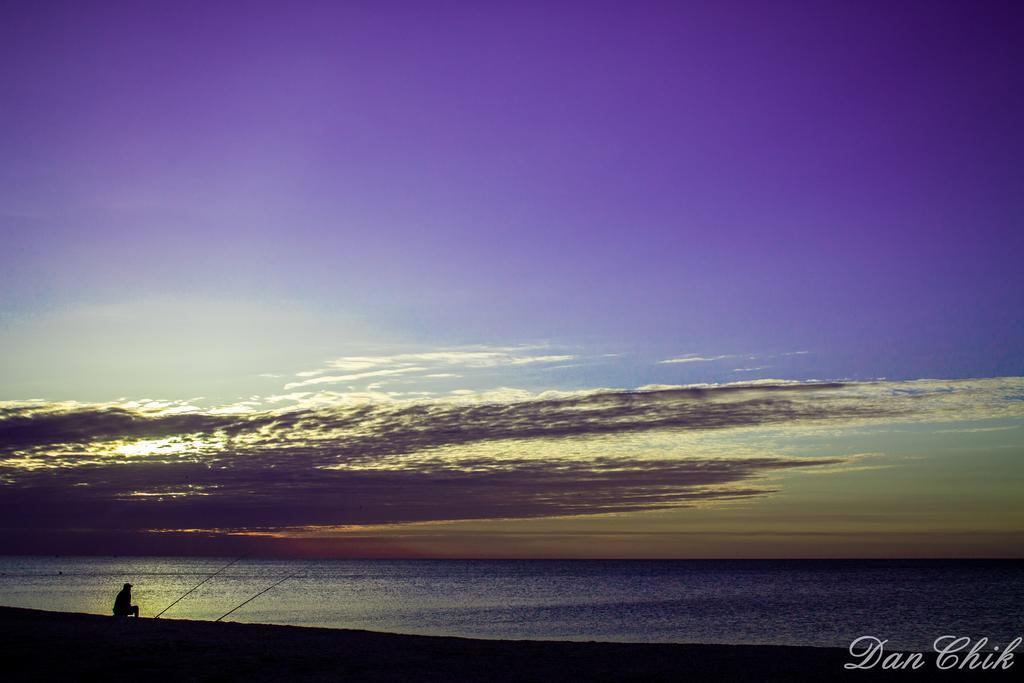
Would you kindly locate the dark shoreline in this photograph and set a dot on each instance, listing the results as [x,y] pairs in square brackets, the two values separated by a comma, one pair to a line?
[38,645]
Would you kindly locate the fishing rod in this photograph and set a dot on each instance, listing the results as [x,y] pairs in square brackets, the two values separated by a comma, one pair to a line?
[197,586]
[257,595]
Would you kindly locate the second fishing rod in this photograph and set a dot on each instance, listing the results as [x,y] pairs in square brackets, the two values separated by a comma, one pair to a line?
[193,588]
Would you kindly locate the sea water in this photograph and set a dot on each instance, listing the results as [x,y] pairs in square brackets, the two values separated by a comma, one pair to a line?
[806,602]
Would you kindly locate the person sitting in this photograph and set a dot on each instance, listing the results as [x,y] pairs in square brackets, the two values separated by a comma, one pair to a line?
[123,603]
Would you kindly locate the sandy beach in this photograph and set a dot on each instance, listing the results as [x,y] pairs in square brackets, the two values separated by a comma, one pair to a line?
[40,645]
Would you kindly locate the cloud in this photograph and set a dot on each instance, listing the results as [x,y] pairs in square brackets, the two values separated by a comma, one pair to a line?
[437,364]
[473,357]
[331,459]
[540,359]
[191,496]
[335,379]
[695,358]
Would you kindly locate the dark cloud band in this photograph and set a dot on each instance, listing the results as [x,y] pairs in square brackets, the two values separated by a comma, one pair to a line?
[380,463]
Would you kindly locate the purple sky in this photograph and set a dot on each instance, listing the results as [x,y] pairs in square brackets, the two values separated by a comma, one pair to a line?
[658,177]
[358,248]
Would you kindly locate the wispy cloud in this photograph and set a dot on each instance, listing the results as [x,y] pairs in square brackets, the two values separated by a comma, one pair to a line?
[474,357]
[703,358]
[696,358]
[336,379]
[437,364]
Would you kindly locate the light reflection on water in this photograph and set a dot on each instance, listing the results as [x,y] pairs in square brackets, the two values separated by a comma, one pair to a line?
[826,603]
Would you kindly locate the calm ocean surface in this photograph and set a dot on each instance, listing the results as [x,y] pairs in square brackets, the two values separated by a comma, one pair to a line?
[824,603]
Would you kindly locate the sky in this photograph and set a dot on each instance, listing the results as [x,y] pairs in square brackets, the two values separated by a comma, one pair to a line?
[630,279]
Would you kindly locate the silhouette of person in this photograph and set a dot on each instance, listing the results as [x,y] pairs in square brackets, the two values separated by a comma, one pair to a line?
[123,603]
